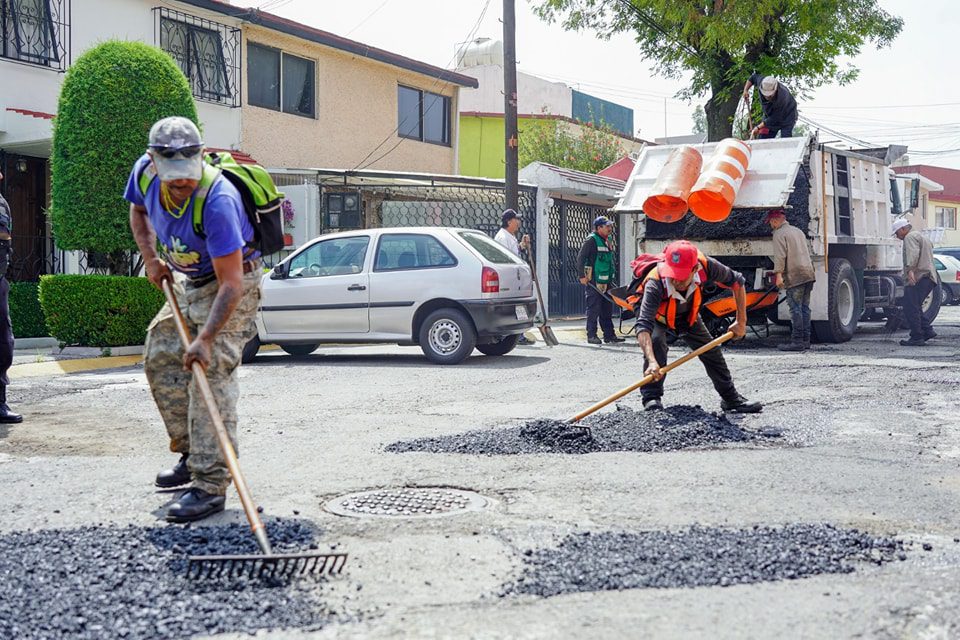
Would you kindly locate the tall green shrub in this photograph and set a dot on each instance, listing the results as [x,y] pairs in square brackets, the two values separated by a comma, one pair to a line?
[25,312]
[110,98]
[98,311]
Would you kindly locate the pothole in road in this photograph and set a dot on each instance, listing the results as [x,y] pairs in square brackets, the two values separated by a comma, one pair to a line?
[697,557]
[675,427]
[407,502]
[131,582]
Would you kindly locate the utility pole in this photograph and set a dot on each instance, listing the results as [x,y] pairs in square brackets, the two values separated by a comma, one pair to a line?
[510,104]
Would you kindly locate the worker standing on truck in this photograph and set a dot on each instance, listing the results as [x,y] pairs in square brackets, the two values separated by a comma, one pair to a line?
[778,105]
[218,291]
[793,270]
[671,302]
[596,265]
[919,276]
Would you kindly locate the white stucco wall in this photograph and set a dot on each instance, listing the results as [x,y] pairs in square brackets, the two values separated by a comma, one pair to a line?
[92,22]
[535,94]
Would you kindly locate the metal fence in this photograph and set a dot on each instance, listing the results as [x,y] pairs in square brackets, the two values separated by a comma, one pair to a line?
[35,32]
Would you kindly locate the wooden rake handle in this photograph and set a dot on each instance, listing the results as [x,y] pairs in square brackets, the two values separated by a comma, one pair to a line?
[220,429]
[648,379]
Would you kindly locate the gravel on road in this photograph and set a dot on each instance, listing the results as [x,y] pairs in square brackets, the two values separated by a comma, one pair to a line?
[130,582]
[697,557]
[675,427]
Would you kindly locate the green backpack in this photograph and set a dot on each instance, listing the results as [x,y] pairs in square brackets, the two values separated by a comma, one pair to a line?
[261,199]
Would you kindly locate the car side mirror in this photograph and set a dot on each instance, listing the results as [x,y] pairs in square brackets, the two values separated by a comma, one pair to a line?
[279,272]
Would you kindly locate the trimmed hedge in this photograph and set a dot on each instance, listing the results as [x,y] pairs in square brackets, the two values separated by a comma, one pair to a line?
[98,311]
[25,312]
[110,98]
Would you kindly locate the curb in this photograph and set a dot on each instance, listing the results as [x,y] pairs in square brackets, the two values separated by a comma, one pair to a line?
[60,367]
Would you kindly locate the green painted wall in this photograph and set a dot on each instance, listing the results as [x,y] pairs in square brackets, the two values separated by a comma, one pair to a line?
[481,144]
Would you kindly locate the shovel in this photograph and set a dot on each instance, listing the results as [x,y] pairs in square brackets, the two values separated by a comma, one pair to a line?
[545,329]
[268,564]
[647,380]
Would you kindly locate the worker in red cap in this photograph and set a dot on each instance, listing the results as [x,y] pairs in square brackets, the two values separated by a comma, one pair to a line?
[672,293]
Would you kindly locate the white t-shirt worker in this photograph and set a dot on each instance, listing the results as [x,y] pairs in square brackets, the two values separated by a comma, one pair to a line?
[507,237]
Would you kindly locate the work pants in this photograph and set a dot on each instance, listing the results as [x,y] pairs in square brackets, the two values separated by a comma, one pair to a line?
[713,361]
[598,309]
[175,391]
[6,338]
[798,300]
[766,132]
[913,297]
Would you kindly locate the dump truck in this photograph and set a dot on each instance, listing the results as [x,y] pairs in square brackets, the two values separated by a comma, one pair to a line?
[844,201]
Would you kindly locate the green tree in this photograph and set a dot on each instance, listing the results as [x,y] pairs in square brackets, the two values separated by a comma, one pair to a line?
[551,140]
[110,98]
[699,120]
[719,43]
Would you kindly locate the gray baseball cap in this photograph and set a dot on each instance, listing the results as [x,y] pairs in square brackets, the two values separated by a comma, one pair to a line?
[176,149]
[768,86]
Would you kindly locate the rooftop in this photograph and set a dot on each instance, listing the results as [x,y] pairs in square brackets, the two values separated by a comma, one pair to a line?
[949,178]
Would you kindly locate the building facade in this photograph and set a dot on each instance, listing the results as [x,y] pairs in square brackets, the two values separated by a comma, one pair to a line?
[941,208]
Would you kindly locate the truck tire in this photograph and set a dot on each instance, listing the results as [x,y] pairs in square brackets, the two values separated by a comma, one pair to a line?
[933,302]
[501,347]
[250,350]
[843,301]
[300,349]
[447,336]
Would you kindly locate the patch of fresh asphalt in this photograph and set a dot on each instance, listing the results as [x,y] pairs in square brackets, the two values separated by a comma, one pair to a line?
[879,454]
[111,582]
[625,429]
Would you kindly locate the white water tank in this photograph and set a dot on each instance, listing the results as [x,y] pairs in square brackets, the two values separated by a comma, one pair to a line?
[480,53]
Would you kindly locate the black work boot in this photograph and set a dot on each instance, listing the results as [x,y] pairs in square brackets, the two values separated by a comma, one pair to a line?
[930,335]
[9,417]
[652,404]
[739,404]
[613,339]
[594,340]
[913,342]
[178,476]
[195,504]
[792,346]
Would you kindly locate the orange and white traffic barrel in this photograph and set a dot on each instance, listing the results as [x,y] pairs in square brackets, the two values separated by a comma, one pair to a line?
[712,197]
[667,201]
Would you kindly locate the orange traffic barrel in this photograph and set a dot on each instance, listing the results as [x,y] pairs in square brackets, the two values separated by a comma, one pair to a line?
[712,197]
[667,201]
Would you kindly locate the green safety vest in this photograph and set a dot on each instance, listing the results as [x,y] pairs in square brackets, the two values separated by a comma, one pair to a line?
[603,264]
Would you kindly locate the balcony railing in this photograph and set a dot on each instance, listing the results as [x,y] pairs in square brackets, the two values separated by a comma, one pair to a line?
[36,32]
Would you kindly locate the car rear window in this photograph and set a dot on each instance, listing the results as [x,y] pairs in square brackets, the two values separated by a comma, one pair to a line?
[411,251]
[488,248]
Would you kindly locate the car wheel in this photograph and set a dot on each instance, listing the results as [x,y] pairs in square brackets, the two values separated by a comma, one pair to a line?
[944,296]
[447,336]
[843,305]
[299,349]
[250,350]
[501,347]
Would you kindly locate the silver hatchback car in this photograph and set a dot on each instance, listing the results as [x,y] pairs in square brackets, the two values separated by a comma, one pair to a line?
[447,290]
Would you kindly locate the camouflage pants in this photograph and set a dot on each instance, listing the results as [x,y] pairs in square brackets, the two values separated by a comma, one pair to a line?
[177,396]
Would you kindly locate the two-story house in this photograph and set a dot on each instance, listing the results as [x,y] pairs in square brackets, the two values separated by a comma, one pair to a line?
[283,93]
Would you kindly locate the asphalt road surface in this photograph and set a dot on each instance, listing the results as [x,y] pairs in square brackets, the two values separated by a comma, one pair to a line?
[863,479]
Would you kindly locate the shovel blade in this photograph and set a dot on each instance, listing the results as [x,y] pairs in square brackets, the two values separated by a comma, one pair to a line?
[548,336]
[276,565]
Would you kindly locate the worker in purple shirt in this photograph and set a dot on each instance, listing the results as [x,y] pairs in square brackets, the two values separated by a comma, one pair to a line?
[216,278]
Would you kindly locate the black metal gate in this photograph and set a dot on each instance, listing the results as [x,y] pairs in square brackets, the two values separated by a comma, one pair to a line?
[570,224]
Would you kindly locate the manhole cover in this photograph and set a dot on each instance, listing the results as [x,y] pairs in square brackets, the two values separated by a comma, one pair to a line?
[408,502]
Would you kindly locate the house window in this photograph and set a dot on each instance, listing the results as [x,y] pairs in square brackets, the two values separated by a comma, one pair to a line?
[35,31]
[946,217]
[281,81]
[422,115]
[207,52]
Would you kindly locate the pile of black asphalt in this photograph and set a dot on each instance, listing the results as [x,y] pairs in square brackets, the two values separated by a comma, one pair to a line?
[131,582]
[697,557]
[675,427]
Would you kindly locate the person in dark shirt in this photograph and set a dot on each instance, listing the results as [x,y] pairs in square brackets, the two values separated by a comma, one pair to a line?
[6,330]
[596,268]
[671,303]
[778,104]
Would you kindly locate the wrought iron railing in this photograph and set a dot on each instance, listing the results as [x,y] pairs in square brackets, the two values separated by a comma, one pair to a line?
[207,52]
[36,32]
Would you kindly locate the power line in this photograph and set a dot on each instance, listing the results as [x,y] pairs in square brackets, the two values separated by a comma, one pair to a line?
[362,22]
[892,106]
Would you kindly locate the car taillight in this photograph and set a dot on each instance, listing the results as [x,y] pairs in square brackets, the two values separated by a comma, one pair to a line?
[489,281]
[958,275]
